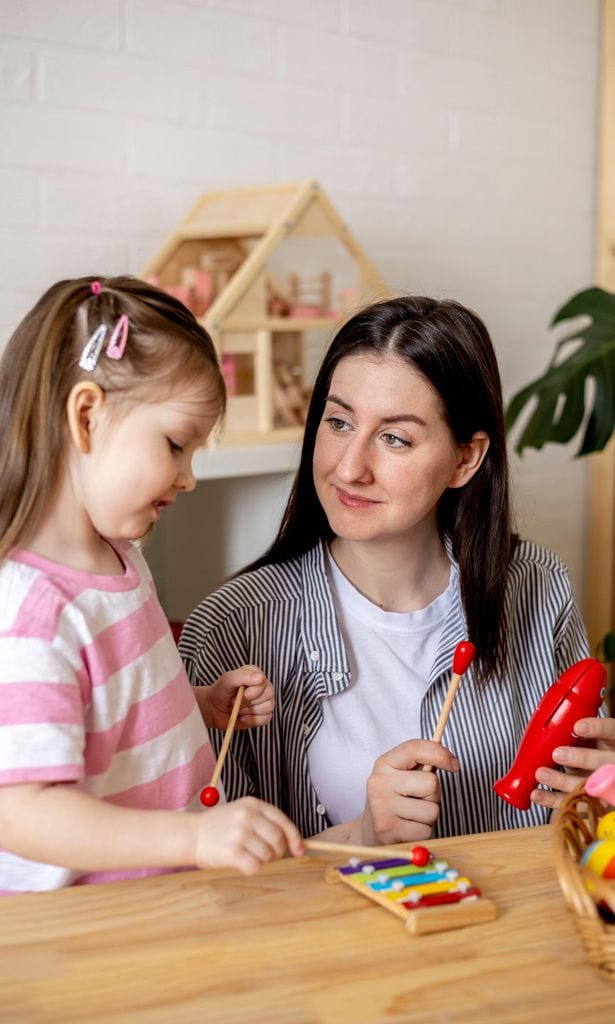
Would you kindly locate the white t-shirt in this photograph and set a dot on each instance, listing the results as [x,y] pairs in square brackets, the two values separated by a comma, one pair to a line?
[391,655]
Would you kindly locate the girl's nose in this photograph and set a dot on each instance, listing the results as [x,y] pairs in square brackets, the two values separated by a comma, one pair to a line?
[355,462]
[186,480]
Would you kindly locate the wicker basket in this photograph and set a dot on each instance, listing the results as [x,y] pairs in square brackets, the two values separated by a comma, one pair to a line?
[574,829]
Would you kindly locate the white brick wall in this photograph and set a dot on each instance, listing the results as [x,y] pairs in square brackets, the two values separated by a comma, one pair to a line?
[456,137]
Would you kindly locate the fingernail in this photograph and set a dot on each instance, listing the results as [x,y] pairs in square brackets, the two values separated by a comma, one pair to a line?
[256,677]
[561,754]
[581,729]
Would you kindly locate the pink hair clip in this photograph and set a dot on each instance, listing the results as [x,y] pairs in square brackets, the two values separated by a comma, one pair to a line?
[92,348]
[95,287]
[117,341]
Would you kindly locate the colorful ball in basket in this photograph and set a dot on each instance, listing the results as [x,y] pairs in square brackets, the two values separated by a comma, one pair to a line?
[599,857]
[605,829]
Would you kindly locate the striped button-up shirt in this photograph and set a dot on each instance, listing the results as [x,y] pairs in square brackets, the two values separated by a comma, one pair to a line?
[282,619]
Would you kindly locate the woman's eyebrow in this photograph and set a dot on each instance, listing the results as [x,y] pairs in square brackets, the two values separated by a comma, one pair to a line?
[403,417]
[339,401]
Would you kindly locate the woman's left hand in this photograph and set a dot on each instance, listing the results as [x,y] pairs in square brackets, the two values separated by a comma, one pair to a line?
[579,761]
[216,701]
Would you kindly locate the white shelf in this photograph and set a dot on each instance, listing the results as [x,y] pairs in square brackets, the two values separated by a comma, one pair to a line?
[248,460]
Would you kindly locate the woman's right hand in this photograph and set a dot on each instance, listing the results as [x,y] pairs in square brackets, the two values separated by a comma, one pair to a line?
[244,834]
[403,801]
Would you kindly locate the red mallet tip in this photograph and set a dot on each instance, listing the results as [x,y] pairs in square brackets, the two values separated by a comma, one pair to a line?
[420,856]
[209,796]
[463,658]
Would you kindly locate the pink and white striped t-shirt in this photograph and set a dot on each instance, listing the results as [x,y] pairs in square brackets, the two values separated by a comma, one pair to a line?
[93,691]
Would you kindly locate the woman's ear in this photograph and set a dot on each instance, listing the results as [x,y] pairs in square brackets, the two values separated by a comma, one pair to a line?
[470,458]
[83,408]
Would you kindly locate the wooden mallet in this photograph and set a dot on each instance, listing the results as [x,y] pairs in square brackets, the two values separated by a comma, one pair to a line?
[462,659]
[209,794]
[418,855]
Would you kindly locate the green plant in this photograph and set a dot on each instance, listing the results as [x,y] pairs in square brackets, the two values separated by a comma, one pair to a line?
[563,400]
[606,647]
[561,390]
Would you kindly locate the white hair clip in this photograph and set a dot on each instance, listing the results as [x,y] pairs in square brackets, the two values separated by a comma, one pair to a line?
[93,348]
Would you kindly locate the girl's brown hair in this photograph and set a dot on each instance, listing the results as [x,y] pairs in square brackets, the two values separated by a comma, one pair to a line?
[40,365]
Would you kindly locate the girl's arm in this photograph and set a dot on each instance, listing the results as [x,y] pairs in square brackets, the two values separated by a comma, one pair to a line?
[402,800]
[59,824]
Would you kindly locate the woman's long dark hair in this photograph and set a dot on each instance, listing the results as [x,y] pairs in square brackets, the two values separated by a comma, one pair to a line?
[450,346]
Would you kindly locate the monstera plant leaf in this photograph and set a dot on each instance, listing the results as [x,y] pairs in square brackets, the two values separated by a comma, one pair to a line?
[560,410]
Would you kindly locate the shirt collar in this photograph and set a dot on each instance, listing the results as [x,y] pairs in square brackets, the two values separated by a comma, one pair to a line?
[321,638]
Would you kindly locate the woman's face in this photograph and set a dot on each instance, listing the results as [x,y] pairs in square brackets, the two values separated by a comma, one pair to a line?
[384,454]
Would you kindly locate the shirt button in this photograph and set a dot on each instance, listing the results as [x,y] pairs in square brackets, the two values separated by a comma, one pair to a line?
[306,730]
[321,809]
[314,655]
[337,676]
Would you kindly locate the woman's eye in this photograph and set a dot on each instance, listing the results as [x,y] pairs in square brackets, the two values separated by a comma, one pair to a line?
[393,441]
[336,423]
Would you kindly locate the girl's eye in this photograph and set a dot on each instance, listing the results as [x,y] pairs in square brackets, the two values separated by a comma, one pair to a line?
[393,441]
[174,447]
[336,423]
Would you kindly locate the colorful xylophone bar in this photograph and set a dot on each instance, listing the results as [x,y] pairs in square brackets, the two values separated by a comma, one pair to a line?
[430,897]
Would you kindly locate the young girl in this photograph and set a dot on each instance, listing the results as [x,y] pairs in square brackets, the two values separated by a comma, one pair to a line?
[107,388]
[395,545]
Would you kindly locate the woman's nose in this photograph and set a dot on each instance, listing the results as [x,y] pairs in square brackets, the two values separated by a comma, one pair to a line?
[355,462]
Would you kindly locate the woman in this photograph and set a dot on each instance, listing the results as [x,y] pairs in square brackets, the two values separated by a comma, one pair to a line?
[396,544]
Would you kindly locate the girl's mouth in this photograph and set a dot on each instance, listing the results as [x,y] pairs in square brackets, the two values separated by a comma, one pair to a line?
[158,507]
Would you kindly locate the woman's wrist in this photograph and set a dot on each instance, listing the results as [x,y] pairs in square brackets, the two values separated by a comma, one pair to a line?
[365,834]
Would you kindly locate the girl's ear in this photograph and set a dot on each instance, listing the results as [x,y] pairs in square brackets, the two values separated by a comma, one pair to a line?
[83,408]
[470,457]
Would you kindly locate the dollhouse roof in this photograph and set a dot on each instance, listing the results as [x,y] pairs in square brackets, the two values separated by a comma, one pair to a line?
[255,221]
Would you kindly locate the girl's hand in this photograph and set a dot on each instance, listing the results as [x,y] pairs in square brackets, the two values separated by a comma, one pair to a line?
[403,801]
[216,701]
[579,761]
[244,834]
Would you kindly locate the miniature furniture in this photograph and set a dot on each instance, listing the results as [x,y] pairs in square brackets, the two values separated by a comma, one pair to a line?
[222,261]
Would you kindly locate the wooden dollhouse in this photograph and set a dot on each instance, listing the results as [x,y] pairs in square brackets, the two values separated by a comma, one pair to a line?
[233,261]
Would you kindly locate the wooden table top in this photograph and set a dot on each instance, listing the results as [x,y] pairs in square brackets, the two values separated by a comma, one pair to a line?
[284,947]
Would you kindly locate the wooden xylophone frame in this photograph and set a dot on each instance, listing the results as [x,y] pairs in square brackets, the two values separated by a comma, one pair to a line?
[472,908]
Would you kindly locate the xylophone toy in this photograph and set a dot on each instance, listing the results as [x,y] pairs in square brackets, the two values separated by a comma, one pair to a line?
[426,891]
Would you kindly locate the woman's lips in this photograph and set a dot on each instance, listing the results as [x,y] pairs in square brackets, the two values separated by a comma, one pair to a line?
[353,500]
